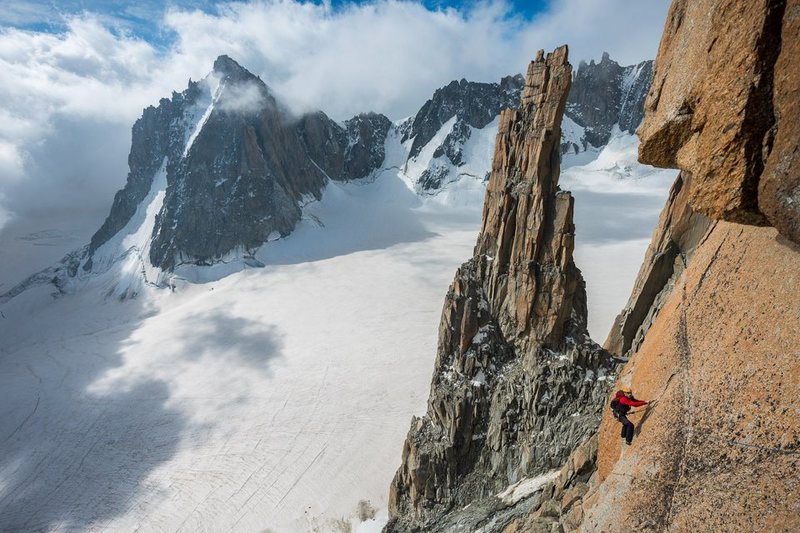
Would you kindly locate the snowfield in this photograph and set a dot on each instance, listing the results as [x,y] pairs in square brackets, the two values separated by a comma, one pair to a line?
[275,398]
[617,203]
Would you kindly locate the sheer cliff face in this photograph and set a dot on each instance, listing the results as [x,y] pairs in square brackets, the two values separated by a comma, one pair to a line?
[723,107]
[678,233]
[237,167]
[240,177]
[720,448]
[712,327]
[517,383]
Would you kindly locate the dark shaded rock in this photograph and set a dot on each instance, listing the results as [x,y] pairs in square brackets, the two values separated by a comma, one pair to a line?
[365,150]
[476,104]
[560,506]
[241,179]
[604,94]
[453,145]
[250,167]
[345,153]
[158,134]
[779,186]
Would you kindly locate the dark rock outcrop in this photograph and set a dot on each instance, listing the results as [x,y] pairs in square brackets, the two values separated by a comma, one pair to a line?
[242,175]
[240,180]
[558,504]
[476,105]
[602,95]
[348,152]
[517,382]
[605,94]
[779,185]
[160,133]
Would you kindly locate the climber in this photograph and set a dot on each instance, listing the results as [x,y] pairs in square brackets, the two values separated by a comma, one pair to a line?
[620,405]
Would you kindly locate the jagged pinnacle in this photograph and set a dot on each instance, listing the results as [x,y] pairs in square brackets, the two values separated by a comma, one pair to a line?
[230,69]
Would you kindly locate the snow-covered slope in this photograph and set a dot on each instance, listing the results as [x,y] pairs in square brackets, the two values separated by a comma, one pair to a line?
[432,172]
[275,398]
[606,99]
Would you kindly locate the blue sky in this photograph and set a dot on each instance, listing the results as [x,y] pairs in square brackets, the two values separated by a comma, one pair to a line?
[142,17]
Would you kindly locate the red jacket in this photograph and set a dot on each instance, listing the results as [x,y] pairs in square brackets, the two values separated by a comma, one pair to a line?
[632,402]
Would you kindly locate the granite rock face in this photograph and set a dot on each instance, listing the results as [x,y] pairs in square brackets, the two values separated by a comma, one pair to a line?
[779,186]
[713,337]
[742,54]
[558,504]
[159,133]
[678,233]
[348,152]
[606,94]
[239,181]
[719,449]
[517,383]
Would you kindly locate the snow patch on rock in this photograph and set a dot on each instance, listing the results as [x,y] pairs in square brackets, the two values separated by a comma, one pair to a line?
[524,488]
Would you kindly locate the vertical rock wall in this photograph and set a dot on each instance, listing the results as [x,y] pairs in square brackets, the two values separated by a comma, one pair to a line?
[517,382]
[713,325]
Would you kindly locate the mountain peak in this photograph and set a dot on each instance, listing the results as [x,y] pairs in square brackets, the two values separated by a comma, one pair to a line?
[228,68]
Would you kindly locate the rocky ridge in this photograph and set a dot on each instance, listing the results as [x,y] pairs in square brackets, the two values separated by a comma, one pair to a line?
[603,96]
[514,360]
[473,105]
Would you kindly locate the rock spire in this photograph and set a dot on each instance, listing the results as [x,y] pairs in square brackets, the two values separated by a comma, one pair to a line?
[517,382]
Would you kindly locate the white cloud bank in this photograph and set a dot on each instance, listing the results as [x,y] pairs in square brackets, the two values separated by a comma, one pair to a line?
[67,101]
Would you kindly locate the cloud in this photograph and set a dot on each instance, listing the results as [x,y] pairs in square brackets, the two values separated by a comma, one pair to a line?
[68,100]
[243,98]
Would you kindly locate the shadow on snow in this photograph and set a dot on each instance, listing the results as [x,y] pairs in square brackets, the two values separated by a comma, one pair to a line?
[71,459]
